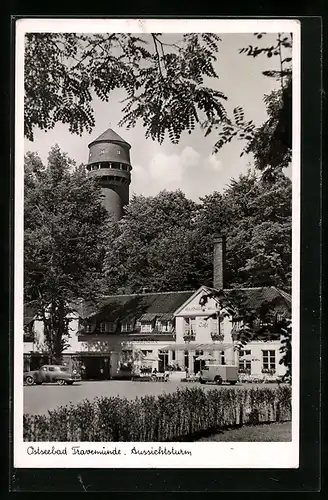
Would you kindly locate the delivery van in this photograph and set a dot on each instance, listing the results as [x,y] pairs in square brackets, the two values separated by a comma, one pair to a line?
[219,374]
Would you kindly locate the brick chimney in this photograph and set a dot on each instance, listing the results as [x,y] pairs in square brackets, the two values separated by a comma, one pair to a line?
[219,261]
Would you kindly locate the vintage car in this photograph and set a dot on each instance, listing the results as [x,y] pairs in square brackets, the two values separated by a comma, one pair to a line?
[52,374]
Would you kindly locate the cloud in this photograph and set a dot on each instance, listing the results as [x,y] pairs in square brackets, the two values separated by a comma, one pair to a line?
[189,157]
[189,171]
[213,162]
[170,169]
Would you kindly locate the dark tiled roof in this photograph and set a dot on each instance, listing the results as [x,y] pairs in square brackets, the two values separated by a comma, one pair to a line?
[254,298]
[134,306]
[162,305]
[108,136]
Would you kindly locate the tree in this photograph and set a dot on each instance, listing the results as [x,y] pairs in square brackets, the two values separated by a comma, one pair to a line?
[165,242]
[271,143]
[64,238]
[163,80]
[152,246]
[255,215]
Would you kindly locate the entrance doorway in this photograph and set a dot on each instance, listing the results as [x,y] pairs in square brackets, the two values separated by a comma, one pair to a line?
[197,362]
[96,368]
[163,361]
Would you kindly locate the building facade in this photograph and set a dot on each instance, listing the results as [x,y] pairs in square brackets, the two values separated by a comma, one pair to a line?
[161,330]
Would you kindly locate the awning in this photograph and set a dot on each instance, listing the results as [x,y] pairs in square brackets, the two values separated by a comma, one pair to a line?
[148,317]
[197,347]
[214,347]
[179,347]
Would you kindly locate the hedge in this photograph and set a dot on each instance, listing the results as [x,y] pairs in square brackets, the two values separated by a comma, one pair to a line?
[176,416]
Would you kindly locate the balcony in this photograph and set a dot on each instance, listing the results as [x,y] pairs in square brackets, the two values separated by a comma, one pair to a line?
[189,335]
[217,336]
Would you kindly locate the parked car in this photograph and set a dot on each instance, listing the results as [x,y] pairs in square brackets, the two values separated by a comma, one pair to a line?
[219,374]
[52,374]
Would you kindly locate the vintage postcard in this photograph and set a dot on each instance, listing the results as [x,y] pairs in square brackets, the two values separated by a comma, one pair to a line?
[157,243]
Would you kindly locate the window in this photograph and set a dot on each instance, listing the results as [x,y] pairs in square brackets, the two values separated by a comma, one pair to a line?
[138,325]
[107,327]
[88,328]
[126,327]
[190,323]
[190,327]
[146,326]
[245,366]
[52,369]
[173,355]
[147,352]
[218,325]
[163,326]
[269,360]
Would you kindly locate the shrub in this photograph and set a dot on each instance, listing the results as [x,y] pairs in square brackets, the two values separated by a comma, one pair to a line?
[176,416]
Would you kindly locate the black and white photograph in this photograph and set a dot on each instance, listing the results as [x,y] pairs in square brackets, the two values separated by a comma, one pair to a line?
[157,167]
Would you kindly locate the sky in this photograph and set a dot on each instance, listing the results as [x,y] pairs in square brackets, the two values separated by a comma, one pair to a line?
[189,165]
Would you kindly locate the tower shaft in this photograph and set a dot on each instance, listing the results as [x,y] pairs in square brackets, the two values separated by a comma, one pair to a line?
[109,162]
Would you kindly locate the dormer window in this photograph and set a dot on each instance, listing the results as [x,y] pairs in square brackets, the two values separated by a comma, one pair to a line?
[107,327]
[126,327]
[146,326]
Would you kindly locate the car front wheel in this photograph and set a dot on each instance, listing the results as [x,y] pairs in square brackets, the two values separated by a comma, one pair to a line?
[29,380]
[202,381]
[218,380]
[60,382]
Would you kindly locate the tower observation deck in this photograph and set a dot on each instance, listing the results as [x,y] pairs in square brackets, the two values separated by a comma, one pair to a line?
[109,161]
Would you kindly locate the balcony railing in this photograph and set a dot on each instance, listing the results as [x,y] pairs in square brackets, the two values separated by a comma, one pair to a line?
[217,336]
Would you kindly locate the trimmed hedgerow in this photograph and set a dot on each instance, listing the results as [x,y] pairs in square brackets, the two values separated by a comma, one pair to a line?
[169,417]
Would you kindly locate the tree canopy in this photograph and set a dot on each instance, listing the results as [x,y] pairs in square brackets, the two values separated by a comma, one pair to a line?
[165,86]
[165,242]
[271,142]
[163,81]
[64,240]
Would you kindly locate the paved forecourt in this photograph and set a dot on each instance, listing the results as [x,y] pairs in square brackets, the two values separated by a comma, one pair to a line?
[38,399]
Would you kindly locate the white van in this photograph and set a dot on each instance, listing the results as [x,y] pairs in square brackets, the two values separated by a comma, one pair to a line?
[219,374]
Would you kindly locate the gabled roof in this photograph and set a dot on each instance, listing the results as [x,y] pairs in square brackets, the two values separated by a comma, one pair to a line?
[109,136]
[134,306]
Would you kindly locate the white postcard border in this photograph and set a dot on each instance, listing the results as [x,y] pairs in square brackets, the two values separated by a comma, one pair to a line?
[203,455]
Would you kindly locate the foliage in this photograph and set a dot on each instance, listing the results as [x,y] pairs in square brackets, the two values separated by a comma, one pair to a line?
[165,242]
[286,348]
[64,239]
[182,415]
[163,80]
[255,215]
[271,143]
[152,246]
